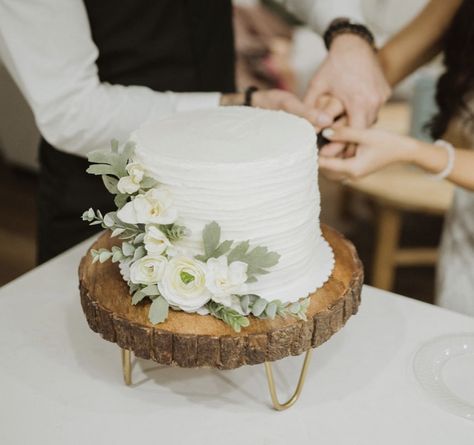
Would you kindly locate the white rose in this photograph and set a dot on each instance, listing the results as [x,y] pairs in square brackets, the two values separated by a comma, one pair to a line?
[153,207]
[184,284]
[155,240]
[136,172]
[224,280]
[148,270]
[127,185]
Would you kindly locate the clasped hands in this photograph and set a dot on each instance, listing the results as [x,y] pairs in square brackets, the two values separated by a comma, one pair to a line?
[344,98]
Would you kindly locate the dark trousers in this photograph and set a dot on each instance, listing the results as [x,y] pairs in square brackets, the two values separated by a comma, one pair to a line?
[65,192]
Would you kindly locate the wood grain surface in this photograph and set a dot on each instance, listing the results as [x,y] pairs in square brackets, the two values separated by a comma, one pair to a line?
[191,340]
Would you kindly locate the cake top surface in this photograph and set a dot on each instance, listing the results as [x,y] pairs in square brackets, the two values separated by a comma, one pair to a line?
[226,135]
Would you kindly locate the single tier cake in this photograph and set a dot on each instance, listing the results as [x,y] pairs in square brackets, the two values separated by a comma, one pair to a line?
[218,212]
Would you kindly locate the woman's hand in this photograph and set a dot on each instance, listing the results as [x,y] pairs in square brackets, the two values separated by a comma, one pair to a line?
[375,149]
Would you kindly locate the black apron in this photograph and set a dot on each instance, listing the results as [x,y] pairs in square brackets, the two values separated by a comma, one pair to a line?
[176,45]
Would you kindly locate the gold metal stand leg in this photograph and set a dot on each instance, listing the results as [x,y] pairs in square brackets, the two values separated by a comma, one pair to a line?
[127,366]
[299,387]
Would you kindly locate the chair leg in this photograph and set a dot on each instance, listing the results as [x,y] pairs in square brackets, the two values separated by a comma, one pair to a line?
[299,387]
[388,234]
[127,366]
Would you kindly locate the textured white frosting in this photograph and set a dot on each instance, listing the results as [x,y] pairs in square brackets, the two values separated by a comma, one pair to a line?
[254,172]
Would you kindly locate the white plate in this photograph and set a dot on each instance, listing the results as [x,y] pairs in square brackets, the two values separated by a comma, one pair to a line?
[444,367]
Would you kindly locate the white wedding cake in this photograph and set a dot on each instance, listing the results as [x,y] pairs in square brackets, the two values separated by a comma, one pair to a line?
[253,171]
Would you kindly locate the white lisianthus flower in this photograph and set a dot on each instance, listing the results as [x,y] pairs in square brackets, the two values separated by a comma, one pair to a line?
[131,183]
[127,185]
[136,171]
[155,240]
[184,284]
[224,280]
[148,269]
[153,207]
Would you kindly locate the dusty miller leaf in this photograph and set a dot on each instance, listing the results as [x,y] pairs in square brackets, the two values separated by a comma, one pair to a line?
[211,235]
[159,309]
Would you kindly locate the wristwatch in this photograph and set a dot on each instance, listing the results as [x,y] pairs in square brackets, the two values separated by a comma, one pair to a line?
[344,25]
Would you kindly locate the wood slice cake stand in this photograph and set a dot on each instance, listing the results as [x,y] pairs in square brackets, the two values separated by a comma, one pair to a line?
[191,340]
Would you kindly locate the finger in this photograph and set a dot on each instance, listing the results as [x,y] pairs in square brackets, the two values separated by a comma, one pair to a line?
[361,113]
[345,134]
[350,151]
[338,166]
[316,89]
[333,149]
[294,105]
[331,107]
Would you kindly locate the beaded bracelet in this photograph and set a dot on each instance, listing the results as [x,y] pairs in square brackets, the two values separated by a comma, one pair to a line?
[345,26]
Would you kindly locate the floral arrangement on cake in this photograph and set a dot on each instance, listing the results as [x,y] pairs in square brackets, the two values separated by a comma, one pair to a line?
[157,268]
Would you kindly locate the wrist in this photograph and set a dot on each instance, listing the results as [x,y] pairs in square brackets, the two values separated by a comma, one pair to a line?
[347,41]
[232,99]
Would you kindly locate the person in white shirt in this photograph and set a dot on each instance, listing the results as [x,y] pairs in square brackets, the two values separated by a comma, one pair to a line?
[94,71]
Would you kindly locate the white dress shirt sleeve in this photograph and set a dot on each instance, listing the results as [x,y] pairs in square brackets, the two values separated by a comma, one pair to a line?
[318,14]
[47,47]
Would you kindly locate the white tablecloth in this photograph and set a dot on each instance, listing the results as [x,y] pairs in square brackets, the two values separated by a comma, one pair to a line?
[61,384]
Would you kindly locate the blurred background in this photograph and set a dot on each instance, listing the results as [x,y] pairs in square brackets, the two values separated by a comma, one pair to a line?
[395,229]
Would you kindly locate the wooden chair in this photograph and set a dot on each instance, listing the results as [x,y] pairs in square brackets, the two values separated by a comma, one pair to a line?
[396,190]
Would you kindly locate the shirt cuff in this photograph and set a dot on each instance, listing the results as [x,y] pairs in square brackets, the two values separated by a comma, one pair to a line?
[196,101]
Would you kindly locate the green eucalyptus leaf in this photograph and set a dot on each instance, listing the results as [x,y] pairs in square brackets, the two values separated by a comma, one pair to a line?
[110,184]
[137,297]
[104,256]
[295,307]
[120,200]
[259,306]
[150,290]
[128,249]
[118,231]
[140,252]
[271,310]
[101,169]
[159,309]
[100,156]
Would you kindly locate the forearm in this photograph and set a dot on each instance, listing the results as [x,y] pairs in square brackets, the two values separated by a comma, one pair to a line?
[318,14]
[419,41]
[53,62]
[434,158]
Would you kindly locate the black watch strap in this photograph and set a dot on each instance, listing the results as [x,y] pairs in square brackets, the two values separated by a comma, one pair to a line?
[345,26]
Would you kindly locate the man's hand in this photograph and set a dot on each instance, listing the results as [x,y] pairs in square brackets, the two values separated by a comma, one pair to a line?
[274,99]
[352,74]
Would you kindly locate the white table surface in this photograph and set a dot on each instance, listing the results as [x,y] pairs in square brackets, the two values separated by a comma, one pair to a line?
[60,383]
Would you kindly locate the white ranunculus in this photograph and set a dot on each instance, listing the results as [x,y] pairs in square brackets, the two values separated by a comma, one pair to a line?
[136,171]
[153,207]
[224,280]
[184,284]
[148,269]
[127,185]
[155,240]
